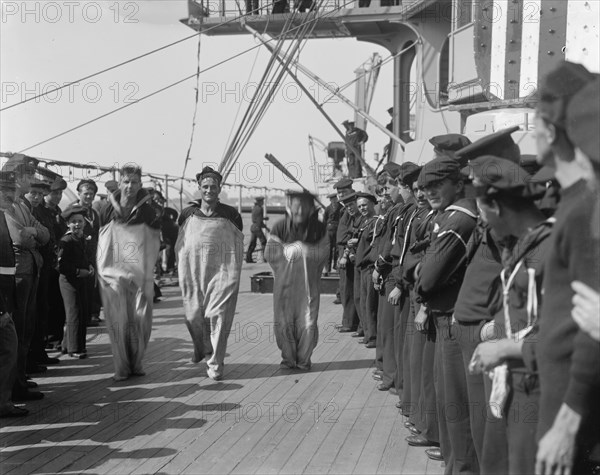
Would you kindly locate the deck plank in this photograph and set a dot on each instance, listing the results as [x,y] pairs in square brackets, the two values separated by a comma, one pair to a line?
[260,419]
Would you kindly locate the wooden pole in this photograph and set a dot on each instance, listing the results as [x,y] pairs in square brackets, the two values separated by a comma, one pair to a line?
[286,172]
[357,153]
[326,85]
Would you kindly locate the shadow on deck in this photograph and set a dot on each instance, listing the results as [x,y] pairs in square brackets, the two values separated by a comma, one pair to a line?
[176,420]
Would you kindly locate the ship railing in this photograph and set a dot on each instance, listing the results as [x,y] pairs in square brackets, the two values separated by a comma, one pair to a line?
[236,8]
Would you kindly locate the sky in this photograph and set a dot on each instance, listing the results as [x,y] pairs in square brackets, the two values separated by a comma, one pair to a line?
[43,44]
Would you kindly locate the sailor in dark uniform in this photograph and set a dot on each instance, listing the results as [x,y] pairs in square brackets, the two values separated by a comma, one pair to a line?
[398,296]
[362,220]
[8,334]
[332,220]
[387,313]
[56,308]
[479,299]
[418,396]
[507,204]
[343,188]
[583,122]
[354,138]
[567,357]
[364,264]
[438,278]
[37,349]
[351,220]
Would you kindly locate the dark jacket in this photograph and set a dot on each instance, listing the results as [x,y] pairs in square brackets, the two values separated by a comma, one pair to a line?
[333,213]
[480,296]
[142,213]
[169,230]
[48,250]
[73,255]
[527,255]
[444,263]
[403,239]
[7,268]
[384,259]
[363,249]
[420,237]
[258,221]
[59,225]
[287,232]
[27,256]
[341,235]
[221,211]
[568,358]
[91,230]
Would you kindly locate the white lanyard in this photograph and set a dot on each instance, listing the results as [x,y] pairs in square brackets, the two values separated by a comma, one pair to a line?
[404,244]
[532,301]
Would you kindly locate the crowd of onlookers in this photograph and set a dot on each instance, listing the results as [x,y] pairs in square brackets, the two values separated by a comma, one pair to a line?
[476,281]
[48,283]
[475,278]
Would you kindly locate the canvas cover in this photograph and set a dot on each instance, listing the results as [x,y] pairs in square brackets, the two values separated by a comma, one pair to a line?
[210,252]
[297,269]
[126,258]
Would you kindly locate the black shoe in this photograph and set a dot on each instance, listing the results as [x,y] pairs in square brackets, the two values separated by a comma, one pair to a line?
[383,387]
[377,376]
[36,368]
[47,360]
[394,391]
[27,395]
[31,384]
[407,424]
[413,430]
[337,301]
[420,441]
[345,330]
[51,346]
[435,454]
[357,335]
[14,411]
[362,341]
[371,344]
[92,324]
[250,261]
[78,356]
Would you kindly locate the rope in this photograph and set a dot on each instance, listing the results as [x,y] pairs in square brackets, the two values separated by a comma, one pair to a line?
[257,113]
[261,100]
[135,58]
[176,83]
[189,150]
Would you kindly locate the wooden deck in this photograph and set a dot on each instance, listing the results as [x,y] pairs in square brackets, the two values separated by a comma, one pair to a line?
[260,419]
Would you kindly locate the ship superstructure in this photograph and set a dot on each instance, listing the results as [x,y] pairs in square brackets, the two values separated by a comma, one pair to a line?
[476,63]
